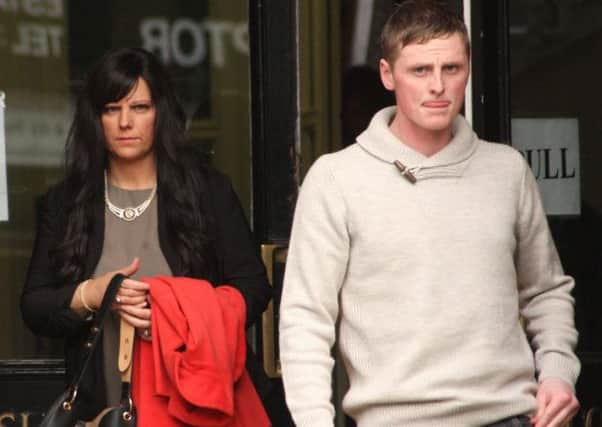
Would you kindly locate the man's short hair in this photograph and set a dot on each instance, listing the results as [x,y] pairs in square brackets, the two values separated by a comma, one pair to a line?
[419,21]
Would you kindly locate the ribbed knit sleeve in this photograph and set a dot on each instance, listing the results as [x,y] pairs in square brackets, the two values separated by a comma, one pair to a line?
[316,266]
[545,291]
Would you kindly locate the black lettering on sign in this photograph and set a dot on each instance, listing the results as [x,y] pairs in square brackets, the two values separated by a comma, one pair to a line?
[563,167]
[548,164]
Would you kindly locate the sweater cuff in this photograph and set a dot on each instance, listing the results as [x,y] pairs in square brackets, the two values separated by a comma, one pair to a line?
[561,366]
[315,418]
[64,295]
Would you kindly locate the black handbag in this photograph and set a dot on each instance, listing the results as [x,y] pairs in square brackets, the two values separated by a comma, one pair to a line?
[66,409]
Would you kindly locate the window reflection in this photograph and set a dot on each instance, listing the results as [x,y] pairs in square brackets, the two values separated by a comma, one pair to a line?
[47,46]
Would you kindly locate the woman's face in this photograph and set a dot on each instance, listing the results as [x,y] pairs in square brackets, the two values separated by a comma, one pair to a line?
[129,124]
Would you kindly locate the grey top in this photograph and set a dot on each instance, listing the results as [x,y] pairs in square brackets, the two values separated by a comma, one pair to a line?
[123,241]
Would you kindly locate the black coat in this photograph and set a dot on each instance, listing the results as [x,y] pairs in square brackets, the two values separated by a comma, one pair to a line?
[45,299]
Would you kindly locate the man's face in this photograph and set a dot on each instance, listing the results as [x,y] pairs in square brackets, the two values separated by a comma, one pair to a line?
[428,80]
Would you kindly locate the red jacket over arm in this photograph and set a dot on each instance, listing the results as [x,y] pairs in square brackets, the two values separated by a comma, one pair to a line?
[193,370]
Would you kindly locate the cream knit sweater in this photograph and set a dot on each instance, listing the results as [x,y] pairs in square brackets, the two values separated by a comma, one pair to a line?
[428,281]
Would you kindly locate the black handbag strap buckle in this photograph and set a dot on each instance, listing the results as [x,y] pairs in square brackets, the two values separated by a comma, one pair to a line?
[127,415]
[68,403]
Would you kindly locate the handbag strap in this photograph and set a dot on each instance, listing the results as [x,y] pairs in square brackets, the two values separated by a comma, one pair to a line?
[126,409]
[126,347]
[96,328]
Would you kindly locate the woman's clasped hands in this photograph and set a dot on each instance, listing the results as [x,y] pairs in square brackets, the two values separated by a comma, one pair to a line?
[132,301]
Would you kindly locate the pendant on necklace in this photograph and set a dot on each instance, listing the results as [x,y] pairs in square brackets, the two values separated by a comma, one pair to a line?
[129,214]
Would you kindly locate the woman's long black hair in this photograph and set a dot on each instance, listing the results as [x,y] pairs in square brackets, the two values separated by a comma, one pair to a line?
[112,78]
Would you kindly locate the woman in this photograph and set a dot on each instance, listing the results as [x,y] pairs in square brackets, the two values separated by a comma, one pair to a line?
[134,200]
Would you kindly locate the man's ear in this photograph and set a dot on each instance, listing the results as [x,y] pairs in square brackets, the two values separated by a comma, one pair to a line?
[386,74]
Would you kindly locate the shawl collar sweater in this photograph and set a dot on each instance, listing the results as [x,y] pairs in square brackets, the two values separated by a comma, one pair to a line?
[378,141]
[428,281]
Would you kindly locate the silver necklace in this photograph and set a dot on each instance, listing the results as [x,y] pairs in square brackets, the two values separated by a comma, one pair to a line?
[128,213]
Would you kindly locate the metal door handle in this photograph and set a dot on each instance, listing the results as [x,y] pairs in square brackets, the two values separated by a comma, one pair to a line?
[590,417]
[270,254]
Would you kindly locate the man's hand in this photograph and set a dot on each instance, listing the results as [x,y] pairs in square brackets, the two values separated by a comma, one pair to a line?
[556,404]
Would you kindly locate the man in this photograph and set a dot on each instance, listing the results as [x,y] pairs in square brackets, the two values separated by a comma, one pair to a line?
[428,245]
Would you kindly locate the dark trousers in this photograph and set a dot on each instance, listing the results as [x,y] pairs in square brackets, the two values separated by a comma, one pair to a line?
[519,421]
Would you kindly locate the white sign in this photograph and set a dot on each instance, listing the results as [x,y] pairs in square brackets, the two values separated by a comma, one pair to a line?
[3,186]
[551,148]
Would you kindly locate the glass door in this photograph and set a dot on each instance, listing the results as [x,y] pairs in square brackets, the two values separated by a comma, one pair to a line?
[555,108]
[46,47]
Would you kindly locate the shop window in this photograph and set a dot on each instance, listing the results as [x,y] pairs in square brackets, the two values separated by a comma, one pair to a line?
[46,47]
